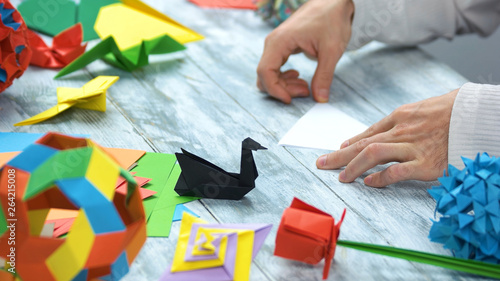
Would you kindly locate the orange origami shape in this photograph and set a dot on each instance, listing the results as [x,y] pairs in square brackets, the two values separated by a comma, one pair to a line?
[76,174]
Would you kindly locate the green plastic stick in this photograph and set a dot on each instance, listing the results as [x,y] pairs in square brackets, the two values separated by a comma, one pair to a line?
[470,266]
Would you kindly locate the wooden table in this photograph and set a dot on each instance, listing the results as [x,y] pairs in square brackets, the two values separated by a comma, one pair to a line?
[206,101]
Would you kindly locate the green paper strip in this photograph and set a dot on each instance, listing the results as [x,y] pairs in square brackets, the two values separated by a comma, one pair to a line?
[157,167]
[469,266]
[160,207]
[160,222]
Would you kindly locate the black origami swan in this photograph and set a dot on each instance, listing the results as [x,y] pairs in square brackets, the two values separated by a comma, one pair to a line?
[203,179]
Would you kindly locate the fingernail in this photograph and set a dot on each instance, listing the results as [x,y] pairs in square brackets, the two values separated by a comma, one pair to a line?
[323,95]
[345,144]
[368,180]
[342,176]
[322,161]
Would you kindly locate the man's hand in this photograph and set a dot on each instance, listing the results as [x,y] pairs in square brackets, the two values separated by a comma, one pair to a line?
[321,29]
[415,135]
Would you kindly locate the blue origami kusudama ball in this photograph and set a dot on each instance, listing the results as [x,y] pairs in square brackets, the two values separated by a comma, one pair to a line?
[469,202]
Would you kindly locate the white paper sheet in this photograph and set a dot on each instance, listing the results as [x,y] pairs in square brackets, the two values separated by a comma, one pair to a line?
[322,127]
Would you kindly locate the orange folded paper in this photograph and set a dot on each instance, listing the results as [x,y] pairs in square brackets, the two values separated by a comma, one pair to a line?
[307,234]
[66,47]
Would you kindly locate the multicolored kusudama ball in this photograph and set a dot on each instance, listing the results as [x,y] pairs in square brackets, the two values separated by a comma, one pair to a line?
[15,55]
[469,202]
[68,173]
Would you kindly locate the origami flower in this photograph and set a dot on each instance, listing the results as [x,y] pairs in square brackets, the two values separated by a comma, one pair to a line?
[307,234]
[15,54]
[215,252]
[68,173]
[468,201]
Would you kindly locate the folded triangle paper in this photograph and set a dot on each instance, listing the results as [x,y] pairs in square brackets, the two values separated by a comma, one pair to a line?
[204,179]
[307,234]
[215,252]
[91,96]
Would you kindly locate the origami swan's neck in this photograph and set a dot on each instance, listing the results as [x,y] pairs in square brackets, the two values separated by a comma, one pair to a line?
[248,171]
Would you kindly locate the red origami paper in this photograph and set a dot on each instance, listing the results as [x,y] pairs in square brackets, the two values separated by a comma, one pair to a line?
[14,51]
[307,234]
[66,47]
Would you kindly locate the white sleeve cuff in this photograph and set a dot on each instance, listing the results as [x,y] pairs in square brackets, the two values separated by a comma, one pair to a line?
[474,123]
[358,36]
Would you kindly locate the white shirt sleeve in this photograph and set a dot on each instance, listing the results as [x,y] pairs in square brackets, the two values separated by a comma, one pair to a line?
[411,22]
[474,123]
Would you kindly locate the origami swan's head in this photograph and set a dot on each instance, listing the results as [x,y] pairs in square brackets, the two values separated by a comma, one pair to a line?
[250,144]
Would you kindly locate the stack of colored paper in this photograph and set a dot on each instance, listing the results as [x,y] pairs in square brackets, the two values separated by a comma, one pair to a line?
[156,173]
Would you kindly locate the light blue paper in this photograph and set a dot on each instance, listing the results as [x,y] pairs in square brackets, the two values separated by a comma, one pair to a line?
[179,209]
[12,142]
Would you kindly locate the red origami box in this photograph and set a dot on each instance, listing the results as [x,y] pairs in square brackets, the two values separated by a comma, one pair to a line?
[307,234]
